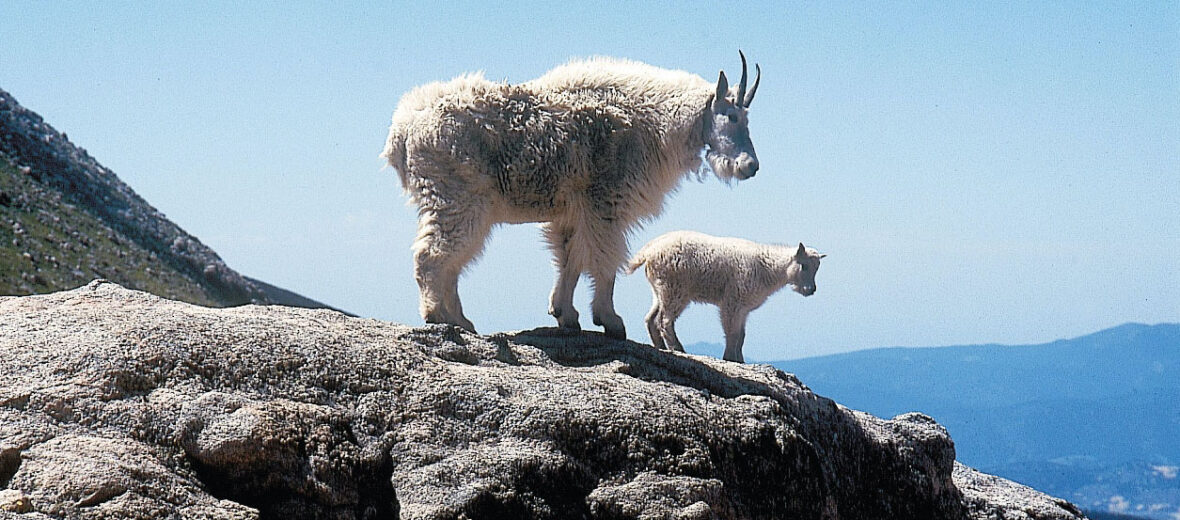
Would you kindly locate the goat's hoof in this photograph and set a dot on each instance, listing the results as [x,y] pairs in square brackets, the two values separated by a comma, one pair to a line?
[436,318]
[566,319]
[609,320]
[619,333]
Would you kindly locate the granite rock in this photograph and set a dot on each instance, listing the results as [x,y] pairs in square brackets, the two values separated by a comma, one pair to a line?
[119,404]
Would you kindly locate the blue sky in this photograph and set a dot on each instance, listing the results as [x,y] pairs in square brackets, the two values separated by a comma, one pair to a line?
[976,172]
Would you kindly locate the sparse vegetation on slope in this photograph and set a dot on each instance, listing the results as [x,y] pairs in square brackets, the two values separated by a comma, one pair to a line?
[65,220]
[47,245]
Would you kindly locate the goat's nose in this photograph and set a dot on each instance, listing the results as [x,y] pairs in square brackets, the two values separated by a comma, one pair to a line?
[750,166]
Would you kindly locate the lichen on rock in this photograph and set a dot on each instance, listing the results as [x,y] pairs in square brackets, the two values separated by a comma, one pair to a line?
[116,403]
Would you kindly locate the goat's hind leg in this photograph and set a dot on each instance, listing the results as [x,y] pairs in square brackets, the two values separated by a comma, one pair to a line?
[446,242]
[653,324]
[667,320]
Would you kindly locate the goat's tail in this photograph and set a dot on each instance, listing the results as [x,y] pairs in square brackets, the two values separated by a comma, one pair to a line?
[639,259]
[395,155]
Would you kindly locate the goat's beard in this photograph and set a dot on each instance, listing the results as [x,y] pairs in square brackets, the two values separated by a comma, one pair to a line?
[723,167]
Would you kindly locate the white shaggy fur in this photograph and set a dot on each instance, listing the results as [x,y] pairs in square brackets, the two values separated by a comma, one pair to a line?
[590,149]
[734,274]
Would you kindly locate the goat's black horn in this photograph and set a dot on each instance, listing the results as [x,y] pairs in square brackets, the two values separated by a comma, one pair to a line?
[741,93]
[750,95]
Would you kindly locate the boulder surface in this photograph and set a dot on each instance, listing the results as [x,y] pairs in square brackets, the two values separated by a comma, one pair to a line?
[118,404]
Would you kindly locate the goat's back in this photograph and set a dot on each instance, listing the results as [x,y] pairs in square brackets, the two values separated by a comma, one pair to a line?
[587,134]
[702,267]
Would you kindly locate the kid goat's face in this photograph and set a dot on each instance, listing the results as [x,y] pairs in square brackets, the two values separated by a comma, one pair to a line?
[808,262]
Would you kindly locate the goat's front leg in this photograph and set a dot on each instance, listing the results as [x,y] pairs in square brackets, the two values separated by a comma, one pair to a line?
[603,305]
[734,323]
[603,263]
[561,300]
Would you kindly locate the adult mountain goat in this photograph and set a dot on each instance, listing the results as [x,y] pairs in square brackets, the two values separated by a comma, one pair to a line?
[591,149]
[734,274]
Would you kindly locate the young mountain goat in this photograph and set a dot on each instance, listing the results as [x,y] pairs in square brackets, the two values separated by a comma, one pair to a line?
[590,149]
[735,275]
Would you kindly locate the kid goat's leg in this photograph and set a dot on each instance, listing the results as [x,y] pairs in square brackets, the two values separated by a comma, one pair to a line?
[653,322]
[734,323]
[668,315]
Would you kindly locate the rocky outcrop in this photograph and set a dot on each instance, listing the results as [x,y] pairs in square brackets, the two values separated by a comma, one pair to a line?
[989,496]
[118,404]
[57,165]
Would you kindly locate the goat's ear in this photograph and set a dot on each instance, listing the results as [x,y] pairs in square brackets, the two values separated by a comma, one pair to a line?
[821,256]
[802,252]
[720,98]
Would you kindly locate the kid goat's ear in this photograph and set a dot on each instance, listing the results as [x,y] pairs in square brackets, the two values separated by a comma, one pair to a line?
[802,252]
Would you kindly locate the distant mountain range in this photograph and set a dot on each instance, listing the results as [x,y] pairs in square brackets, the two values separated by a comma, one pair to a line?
[65,219]
[1094,420]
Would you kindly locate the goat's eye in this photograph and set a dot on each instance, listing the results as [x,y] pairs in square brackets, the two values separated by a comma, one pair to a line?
[733,117]
[804,267]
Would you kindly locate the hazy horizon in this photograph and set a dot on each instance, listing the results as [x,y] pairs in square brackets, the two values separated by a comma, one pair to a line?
[715,348]
[976,173]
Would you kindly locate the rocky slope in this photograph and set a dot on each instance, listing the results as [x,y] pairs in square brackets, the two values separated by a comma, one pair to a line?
[119,404]
[65,219]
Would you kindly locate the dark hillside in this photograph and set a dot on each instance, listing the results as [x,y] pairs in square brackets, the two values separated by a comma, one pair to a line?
[47,244]
[65,219]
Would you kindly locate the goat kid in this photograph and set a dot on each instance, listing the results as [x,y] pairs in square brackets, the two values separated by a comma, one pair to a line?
[734,274]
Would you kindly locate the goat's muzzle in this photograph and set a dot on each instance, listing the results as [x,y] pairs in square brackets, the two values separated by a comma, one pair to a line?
[747,166]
